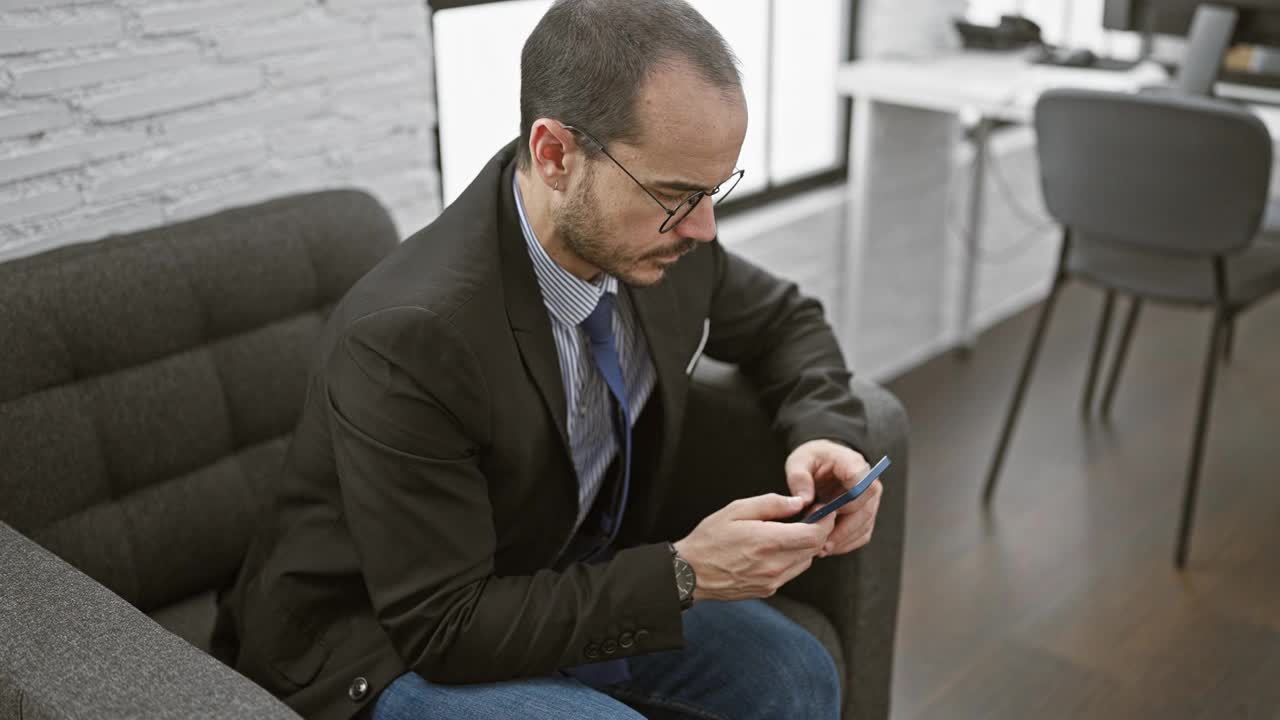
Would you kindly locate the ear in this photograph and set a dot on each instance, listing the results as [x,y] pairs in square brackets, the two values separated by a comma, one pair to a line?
[550,144]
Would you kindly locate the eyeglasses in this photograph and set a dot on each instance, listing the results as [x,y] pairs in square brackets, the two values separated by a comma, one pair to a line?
[677,214]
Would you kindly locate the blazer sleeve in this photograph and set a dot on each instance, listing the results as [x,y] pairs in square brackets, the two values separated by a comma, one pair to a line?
[783,343]
[409,413]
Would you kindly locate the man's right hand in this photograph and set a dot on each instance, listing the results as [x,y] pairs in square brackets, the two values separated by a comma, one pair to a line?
[738,554]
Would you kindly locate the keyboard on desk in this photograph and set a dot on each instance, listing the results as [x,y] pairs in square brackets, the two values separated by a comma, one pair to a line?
[1080,58]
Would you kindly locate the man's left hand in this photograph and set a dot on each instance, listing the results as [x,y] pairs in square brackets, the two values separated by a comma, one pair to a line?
[824,469]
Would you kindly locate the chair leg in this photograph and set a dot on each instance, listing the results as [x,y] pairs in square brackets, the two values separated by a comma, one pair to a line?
[1037,339]
[1099,347]
[1122,353]
[1220,321]
[1230,340]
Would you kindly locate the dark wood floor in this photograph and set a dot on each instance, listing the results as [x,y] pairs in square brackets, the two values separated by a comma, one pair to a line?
[1063,602]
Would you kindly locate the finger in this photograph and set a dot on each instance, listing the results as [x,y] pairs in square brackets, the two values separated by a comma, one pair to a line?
[850,467]
[845,530]
[799,469]
[859,538]
[797,537]
[848,529]
[828,524]
[848,547]
[870,498]
[803,540]
[860,542]
[764,507]
[823,529]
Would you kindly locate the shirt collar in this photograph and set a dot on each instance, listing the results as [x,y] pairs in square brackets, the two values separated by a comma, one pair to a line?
[569,298]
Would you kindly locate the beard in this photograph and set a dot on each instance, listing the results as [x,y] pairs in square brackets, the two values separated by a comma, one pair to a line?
[583,233]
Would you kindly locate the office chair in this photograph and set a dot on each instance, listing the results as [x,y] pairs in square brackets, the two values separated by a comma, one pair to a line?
[1159,197]
[1207,42]
[1210,35]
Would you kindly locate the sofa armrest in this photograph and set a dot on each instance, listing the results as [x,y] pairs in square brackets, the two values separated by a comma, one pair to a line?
[859,592]
[729,439]
[73,649]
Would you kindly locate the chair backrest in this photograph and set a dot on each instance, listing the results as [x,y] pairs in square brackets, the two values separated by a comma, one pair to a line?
[1211,31]
[1169,173]
[149,383]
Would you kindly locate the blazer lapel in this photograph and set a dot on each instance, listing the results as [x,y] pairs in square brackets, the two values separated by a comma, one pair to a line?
[656,309]
[527,315]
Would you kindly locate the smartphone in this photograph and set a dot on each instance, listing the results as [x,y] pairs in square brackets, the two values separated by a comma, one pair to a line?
[847,496]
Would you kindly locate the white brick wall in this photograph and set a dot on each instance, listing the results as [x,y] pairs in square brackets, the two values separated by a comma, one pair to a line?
[117,115]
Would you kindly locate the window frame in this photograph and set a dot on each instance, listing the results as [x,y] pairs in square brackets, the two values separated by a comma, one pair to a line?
[772,191]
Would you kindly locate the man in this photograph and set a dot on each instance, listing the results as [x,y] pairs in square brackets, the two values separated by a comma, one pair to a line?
[463,527]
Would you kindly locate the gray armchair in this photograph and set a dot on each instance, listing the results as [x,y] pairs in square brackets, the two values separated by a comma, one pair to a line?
[849,602]
[148,387]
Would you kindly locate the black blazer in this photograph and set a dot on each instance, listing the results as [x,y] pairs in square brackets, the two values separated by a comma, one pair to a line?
[428,489]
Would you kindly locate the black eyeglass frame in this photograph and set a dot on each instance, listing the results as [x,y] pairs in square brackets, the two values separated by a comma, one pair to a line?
[674,215]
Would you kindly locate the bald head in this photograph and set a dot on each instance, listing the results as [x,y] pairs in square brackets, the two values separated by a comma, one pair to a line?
[587,62]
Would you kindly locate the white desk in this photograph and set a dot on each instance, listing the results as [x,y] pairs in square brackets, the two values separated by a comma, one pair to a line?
[904,132]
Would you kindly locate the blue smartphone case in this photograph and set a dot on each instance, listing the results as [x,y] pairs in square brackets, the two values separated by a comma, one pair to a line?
[851,494]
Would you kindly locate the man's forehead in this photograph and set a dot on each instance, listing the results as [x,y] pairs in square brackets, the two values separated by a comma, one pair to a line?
[690,124]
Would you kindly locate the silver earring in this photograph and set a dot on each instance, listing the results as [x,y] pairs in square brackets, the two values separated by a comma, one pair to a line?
[557,187]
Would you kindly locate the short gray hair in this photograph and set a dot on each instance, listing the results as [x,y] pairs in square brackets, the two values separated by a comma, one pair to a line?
[585,61]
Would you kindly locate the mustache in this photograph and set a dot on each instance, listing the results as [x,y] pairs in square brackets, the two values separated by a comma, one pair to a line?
[684,247]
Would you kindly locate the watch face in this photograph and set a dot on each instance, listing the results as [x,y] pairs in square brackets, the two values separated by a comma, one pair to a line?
[685,579]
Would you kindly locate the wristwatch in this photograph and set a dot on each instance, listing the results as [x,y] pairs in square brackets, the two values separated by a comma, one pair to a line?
[686,579]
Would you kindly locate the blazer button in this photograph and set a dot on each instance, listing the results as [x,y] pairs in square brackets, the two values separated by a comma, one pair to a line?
[592,651]
[626,639]
[359,688]
[610,647]
[641,636]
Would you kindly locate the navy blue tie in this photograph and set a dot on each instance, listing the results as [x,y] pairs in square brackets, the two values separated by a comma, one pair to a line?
[604,349]
[599,327]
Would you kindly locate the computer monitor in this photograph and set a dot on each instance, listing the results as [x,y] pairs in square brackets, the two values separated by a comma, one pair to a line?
[1257,22]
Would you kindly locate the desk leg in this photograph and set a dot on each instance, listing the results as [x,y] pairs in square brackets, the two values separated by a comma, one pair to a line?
[965,335]
[856,214]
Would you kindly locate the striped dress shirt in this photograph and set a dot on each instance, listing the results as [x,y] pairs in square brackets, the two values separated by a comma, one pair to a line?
[569,300]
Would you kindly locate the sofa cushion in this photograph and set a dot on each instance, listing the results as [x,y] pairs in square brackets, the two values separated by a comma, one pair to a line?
[149,382]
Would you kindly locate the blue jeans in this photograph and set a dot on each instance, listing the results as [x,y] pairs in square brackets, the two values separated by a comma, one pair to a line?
[742,660]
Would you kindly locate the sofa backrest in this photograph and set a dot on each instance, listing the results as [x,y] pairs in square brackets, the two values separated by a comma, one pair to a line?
[149,384]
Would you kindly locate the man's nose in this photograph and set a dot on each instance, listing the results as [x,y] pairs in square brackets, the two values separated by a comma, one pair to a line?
[700,224]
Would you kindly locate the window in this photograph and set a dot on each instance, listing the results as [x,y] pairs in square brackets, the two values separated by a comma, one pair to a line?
[478,83]
[789,58]
[806,131]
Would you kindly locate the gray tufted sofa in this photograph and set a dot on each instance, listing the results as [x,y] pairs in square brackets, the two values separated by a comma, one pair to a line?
[148,387]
